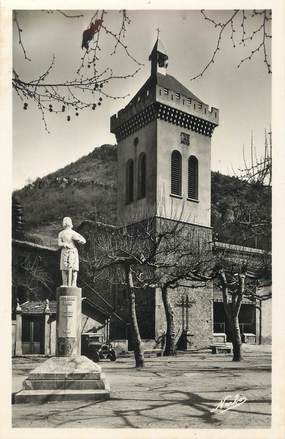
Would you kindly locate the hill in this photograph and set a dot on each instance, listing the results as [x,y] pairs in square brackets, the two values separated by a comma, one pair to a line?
[86,189]
[241,212]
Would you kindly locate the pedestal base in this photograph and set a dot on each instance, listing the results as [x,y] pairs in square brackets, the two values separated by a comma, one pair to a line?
[63,379]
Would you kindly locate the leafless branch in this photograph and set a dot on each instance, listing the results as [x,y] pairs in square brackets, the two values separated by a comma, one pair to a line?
[235,21]
[85,90]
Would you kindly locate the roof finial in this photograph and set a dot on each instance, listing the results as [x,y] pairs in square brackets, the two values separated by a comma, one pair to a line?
[158,32]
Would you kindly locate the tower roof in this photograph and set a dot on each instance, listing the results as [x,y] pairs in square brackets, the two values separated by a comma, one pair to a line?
[168,81]
[158,47]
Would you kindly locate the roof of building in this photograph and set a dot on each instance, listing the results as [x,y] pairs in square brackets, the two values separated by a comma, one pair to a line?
[158,47]
[37,307]
[238,248]
[168,81]
[33,246]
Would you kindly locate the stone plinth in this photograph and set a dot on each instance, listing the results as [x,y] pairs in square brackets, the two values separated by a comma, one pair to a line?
[68,321]
[65,378]
[68,376]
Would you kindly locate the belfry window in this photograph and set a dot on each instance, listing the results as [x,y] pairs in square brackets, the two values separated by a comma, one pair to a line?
[142,175]
[193,178]
[176,173]
[130,181]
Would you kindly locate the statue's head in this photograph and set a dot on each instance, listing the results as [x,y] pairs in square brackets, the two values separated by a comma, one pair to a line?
[67,222]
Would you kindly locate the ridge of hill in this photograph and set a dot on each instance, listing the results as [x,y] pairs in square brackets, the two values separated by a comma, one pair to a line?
[86,189]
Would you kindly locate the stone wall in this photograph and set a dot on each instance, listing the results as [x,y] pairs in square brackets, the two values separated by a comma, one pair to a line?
[264,322]
[197,322]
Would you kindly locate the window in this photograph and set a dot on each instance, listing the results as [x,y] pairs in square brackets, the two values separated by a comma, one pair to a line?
[142,176]
[184,139]
[177,96]
[193,178]
[130,181]
[166,91]
[176,173]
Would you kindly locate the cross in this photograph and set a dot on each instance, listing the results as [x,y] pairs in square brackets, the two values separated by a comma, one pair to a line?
[158,32]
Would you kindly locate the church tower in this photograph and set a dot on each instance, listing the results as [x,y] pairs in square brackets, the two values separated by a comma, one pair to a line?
[164,171]
[164,150]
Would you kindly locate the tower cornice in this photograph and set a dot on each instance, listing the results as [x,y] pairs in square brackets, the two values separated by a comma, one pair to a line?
[159,111]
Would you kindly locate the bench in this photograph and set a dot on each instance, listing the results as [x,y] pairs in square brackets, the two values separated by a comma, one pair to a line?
[221,349]
[153,353]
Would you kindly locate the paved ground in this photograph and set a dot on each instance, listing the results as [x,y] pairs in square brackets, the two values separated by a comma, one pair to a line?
[168,393]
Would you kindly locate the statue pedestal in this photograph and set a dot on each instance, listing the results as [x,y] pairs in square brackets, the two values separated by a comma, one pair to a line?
[68,376]
[64,379]
[68,321]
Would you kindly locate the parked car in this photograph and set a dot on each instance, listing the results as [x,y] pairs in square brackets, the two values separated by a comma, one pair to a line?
[96,348]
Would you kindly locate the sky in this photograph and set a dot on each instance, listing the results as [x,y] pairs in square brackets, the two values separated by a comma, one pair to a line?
[243,95]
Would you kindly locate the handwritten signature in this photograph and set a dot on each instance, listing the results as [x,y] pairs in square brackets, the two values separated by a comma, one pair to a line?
[228,403]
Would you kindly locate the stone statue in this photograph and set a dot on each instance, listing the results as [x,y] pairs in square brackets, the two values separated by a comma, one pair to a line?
[69,260]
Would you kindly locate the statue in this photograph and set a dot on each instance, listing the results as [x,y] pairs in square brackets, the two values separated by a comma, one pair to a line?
[69,260]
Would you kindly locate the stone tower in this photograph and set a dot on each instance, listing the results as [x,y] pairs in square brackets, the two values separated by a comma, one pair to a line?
[164,150]
[164,170]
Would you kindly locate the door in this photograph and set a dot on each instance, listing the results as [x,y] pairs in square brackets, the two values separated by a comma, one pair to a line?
[33,334]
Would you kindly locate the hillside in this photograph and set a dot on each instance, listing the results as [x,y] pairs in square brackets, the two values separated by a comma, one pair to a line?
[86,189]
[241,212]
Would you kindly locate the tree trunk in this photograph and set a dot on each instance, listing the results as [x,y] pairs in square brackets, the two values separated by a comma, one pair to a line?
[170,348]
[236,339]
[232,312]
[138,349]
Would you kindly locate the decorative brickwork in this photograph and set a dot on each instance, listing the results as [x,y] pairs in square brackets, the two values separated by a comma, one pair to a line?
[157,110]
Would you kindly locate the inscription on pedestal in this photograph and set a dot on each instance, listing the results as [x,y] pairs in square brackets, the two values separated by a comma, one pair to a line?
[67,322]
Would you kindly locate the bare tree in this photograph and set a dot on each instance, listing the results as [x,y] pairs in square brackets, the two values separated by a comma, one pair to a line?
[113,255]
[259,169]
[32,275]
[155,253]
[86,88]
[248,28]
[238,278]
[181,256]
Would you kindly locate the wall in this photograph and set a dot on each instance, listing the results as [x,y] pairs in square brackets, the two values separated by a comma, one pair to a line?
[13,337]
[168,136]
[139,209]
[200,320]
[145,310]
[266,322]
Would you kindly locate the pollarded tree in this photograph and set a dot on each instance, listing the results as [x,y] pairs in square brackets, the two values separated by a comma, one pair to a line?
[182,257]
[112,255]
[154,253]
[238,278]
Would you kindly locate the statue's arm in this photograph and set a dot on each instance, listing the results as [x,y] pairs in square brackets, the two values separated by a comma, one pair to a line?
[79,238]
[60,241]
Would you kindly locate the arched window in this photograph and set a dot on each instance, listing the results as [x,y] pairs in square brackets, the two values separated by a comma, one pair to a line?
[142,175]
[130,181]
[193,178]
[176,173]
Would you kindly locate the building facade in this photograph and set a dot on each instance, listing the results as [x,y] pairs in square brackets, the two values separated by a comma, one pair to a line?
[164,170]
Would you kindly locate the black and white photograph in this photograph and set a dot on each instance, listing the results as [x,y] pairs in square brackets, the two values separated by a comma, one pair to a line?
[140,292]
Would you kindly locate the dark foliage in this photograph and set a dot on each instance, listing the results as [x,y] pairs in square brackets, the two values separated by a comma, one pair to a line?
[241,212]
